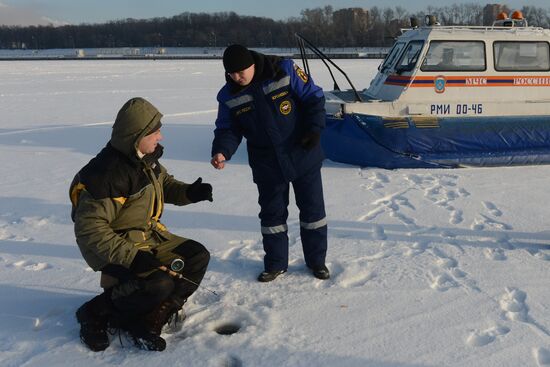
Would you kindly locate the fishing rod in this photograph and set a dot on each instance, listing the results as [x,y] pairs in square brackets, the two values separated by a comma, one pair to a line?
[173,271]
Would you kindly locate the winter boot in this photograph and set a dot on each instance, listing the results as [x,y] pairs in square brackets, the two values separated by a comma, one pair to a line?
[161,315]
[144,339]
[92,317]
[321,272]
[268,276]
[136,329]
[175,322]
[146,334]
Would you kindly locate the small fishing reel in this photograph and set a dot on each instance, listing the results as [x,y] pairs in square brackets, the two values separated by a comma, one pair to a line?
[177,265]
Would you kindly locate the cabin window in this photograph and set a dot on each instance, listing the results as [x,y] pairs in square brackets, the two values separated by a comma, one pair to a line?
[392,56]
[455,56]
[521,56]
[410,56]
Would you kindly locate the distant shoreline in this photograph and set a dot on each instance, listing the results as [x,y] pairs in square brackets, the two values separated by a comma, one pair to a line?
[176,53]
[174,57]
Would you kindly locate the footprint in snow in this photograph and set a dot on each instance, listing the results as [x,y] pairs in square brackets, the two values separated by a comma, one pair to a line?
[542,356]
[243,243]
[539,254]
[375,181]
[492,208]
[503,240]
[494,254]
[416,249]
[456,217]
[432,192]
[49,319]
[457,273]
[482,221]
[446,263]
[479,338]
[378,232]
[512,303]
[451,195]
[442,191]
[7,235]
[407,221]
[241,249]
[232,361]
[447,234]
[391,204]
[381,177]
[371,186]
[354,275]
[379,255]
[31,266]
[542,256]
[442,282]
[477,225]
[495,223]
[415,180]
[4,234]
[448,183]
[448,274]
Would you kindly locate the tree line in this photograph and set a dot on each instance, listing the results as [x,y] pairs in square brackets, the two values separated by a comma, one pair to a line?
[318,25]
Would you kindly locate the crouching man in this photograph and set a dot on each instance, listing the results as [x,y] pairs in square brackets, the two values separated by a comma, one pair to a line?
[117,202]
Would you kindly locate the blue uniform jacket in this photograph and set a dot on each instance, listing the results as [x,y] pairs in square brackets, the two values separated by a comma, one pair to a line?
[273,113]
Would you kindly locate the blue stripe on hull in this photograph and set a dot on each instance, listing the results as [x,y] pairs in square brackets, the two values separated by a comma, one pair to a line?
[478,141]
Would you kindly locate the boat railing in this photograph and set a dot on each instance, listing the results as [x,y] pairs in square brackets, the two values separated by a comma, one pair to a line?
[477,28]
[303,43]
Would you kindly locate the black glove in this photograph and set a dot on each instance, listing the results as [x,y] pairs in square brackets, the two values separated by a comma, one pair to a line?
[199,191]
[310,140]
[144,261]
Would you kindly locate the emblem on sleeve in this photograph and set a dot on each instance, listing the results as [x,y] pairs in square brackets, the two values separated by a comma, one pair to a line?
[285,107]
[301,73]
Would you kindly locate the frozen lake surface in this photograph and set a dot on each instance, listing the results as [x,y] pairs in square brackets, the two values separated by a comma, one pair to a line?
[429,267]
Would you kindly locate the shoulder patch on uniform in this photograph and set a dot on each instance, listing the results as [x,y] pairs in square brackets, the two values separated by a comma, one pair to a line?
[285,107]
[301,73]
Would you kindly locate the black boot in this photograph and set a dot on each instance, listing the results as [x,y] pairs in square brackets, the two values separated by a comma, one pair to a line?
[145,331]
[321,272]
[268,276]
[92,317]
[162,314]
[136,329]
[144,339]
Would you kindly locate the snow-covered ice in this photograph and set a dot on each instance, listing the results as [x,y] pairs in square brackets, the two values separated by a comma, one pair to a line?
[429,267]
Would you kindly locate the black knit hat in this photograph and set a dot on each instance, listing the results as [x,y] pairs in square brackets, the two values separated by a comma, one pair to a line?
[237,58]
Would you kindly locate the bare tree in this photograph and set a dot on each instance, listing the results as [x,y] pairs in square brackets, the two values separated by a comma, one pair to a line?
[320,25]
[401,13]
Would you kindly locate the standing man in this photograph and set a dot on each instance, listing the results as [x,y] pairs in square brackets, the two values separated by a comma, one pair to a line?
[280,111]
[117,201]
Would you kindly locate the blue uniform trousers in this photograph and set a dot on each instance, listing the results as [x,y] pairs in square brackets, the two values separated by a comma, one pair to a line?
[273,199]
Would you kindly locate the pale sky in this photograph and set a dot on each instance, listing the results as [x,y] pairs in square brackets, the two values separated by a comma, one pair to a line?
[34,12]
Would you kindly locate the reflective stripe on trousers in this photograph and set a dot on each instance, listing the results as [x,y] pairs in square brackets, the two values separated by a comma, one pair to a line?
[314,225]
[275,229]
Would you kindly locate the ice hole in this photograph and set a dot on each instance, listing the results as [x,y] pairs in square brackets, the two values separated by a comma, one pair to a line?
[227,329]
